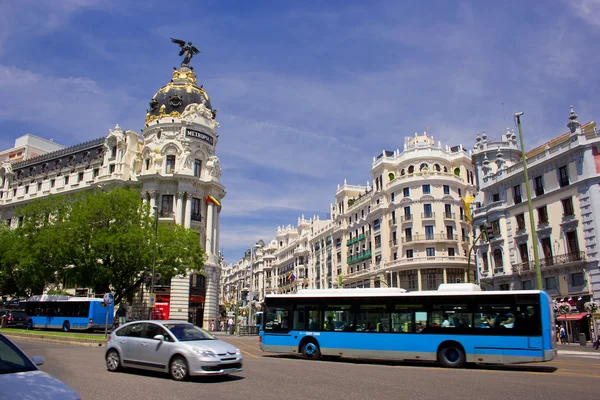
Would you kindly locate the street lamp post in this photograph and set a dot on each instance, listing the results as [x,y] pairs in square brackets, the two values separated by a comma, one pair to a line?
[155,208]
[536,254]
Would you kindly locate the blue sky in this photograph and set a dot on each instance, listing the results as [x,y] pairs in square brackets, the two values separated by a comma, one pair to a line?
[307,92]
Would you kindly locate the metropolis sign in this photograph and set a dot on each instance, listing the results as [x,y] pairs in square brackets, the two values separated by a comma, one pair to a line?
[199,135]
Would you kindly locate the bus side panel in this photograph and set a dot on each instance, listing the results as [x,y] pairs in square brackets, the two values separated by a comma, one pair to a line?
[548,328]
[98,314]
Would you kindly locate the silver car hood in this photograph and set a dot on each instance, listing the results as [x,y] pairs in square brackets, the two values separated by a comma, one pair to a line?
[216,346]
[34,385]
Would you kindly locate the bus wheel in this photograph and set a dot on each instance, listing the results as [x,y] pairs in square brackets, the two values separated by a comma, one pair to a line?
[310,350]
[66,326]
[451,355]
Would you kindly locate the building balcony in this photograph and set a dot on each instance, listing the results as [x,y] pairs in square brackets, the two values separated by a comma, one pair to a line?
[392,222]
[196,217]
[166,214]
[423,262]
[428,215]
[359,257]
[450,216]
[430,237]
[406,218]
[393,242]
[357,274]
[560,260]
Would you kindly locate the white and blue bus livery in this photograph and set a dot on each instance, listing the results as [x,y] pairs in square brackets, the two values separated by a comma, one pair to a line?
[67,312]
[458,323]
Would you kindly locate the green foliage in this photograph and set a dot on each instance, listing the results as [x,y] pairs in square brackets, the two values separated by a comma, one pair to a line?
[99,239]
[57,292]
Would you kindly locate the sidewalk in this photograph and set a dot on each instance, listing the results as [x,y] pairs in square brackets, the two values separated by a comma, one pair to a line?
[577,347]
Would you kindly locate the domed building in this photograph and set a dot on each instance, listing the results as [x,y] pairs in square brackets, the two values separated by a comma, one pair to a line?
[174,165]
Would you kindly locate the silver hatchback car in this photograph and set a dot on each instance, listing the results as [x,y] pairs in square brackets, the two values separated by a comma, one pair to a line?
[176,347]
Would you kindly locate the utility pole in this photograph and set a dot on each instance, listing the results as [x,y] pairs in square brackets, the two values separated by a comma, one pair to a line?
[536,253]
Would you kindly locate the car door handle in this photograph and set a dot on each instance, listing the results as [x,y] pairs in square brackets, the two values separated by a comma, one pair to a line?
[144,344]
[123,341]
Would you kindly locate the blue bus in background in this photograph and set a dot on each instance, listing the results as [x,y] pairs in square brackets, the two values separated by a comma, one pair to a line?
[456,324]
[67,312]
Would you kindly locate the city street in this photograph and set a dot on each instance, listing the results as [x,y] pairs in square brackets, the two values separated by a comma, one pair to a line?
[278,377]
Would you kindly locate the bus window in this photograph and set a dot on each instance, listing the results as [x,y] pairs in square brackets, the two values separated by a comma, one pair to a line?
[306,317]
[451,316]
[420,320]
[373,318]
[277,319]
[338,318]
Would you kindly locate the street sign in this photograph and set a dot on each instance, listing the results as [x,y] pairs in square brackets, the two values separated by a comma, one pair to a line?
[109,298]
[152,300]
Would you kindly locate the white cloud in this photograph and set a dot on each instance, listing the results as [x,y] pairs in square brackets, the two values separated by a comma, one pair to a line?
[237,236]
[588,10]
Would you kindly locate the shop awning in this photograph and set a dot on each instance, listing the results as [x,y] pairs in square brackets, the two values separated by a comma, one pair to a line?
[571,317]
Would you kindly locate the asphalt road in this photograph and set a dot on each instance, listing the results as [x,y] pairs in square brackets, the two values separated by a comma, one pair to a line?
[274,377]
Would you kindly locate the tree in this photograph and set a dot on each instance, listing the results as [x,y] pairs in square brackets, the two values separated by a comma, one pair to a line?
[100,239]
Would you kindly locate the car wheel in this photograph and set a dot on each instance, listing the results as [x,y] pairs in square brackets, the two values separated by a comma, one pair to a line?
[178,368]
[451,356]
[66,326]
[113,361]
[311,351]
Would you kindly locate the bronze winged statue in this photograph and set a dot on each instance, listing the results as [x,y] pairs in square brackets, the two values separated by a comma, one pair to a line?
[187,49]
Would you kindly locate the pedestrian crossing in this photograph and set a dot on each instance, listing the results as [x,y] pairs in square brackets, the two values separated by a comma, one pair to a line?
[582,354]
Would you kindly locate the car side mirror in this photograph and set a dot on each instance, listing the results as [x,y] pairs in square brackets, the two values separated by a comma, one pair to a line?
[38,360]
[159,337]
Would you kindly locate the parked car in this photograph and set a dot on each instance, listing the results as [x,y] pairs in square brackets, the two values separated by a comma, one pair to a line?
[20,377]
[15,318]
[179,348]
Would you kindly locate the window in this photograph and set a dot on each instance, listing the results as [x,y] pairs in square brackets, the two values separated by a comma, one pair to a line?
[517,194]
[26,189]
[166,209]
[520,222]
[498,263]
[134,330]
[563,176]
[197,167]
[577,279]
[377,241]
[568,207]
[80,177]
[429,232]
[409,253]
[550,283]
[196,209]
[496,197]
[147,164]
[446,189]
[450,232]
[408,234]
[484,260]
[547,250]
[539,185]
[406,192]
[430,251]
[376,224]
[111,168]
[39,186]
[543,215]
[113,152]
[426,189]
[393,196]
[496,228]
[528,285]
[170,164]
[153,330]
[427,213]
[451,252]
[52,182]
[573,246]
[95,172]
[524,253]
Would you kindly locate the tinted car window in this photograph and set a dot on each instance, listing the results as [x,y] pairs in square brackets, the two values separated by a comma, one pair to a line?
[134,330]
[153,330]
[188,332]
[12,359]
[18,314]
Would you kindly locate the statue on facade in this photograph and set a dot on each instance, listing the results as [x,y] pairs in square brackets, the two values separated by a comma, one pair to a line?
[187,49]
[212,166]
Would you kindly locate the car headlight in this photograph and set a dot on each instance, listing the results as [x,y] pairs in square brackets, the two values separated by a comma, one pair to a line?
[205,353]
[238,352]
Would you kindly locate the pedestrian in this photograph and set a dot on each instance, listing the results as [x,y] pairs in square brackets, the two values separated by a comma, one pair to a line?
[563,335]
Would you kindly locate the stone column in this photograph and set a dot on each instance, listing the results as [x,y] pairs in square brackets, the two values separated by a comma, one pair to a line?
[145,198]
[211,308]
[209,229]
[445,275]
[180,298]
[179,215]
[216,215]
[419,280]
[152,196]
[188,211]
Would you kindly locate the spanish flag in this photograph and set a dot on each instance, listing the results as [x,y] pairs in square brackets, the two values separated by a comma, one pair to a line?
[467,201]
[210,199]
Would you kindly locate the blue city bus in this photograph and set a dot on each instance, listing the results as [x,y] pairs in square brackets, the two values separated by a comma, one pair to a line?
[456,324]
[67,312]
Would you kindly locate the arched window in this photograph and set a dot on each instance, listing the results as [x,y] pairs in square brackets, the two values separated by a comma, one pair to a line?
[437,167]
[498,259]
[457,171]
[423,166]
[411,169]
[445,169]
[391,176]
[402,172]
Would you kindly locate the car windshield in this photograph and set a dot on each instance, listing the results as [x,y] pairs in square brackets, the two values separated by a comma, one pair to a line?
[12,360]
[188,332]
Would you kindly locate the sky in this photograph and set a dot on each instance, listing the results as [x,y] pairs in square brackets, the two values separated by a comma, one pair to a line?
[307,92]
